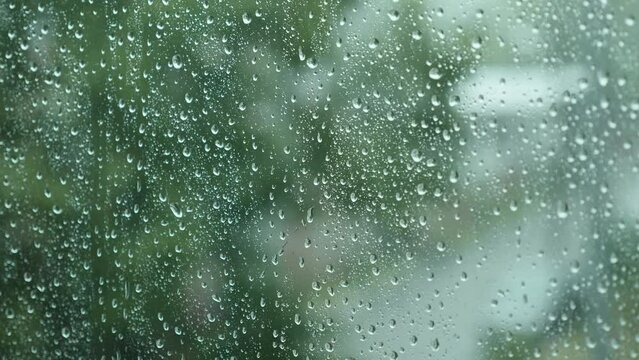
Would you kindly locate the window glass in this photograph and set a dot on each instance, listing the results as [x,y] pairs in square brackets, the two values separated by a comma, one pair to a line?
[332,179]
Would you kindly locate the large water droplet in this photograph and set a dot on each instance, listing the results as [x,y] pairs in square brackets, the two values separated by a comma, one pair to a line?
[176,210]
[435,73]
[416,155]
[176,61]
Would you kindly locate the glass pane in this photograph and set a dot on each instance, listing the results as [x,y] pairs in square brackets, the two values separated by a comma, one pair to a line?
[355,179]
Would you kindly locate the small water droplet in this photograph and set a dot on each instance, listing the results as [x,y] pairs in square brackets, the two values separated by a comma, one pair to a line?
[574,267]
[309,215]
[477,42]
[630,21]
[413,340]
[441,246]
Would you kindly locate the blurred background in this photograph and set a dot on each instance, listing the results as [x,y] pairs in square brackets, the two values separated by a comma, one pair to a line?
[357,179]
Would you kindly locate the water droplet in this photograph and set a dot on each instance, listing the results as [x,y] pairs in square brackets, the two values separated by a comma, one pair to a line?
[309,215]
[329,347]
[441,246]
[413,340]
[454,176]
[574,267]
[301,54]
[477,42]
[435,74]
[630,21]
[9,313]
[176,210]
[176,61]
[246,18]
[311,62]
[435,344]
[416,155]
[562,210]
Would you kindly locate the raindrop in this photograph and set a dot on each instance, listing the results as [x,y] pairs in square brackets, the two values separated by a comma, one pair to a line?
[176,210]
[562,210]
[309,215]
[176,61]
[441,246]
[413,340]
[477,42]
[416,155]
[246,18]
[311,62]
[435,344]
[435,74]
